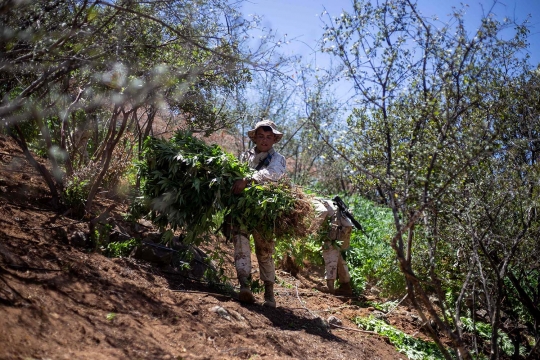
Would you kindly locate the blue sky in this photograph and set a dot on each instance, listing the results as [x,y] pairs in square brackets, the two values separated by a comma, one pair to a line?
[300,20]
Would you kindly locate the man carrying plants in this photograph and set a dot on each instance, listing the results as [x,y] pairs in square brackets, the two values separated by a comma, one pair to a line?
[269,165]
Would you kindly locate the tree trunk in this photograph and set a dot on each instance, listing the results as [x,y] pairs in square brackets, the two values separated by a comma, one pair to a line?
[108,151]
[42,169]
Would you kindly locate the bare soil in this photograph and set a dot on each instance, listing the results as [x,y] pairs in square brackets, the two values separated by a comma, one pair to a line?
[59,301]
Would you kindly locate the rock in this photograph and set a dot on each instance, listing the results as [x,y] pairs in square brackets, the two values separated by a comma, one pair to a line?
[380,315]
[375,291]
[221,312]
[145,223]
[334,321]
[415,318]
[79,239]
[237,316]
[482,314]
[153,237]
[119,235]
[288,264]
[154,254]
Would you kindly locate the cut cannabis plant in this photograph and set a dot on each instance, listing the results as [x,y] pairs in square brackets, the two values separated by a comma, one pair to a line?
[188,183]
[412,347]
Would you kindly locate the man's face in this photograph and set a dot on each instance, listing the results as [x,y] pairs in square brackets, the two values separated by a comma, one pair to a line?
[264,140]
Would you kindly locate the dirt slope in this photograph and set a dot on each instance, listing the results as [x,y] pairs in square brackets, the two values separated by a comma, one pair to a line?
[58,301]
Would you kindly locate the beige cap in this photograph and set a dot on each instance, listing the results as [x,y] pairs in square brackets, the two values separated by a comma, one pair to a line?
[269,123]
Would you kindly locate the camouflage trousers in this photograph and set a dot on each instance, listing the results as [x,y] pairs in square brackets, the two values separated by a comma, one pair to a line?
[264,249]
[334,264]
[340,230]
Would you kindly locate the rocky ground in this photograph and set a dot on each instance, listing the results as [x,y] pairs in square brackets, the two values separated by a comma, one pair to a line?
[60,300]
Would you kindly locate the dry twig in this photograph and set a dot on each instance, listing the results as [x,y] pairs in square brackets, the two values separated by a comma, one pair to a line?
[303,305]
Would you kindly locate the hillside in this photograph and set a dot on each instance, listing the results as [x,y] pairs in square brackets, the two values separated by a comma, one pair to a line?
[59,300]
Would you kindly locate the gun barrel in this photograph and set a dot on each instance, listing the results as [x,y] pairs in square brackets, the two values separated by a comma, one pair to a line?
[341,205]
[353,220]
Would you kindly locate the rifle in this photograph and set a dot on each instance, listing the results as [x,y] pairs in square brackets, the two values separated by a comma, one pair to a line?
[341,205]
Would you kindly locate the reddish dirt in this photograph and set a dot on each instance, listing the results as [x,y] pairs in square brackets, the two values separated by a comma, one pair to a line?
[58,301]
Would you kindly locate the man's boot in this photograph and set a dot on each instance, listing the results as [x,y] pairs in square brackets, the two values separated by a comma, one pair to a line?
[269,299]
[344,289]
[245,295]
[329,288]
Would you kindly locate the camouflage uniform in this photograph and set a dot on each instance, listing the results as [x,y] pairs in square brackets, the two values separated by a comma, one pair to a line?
[264,248]
[339,231]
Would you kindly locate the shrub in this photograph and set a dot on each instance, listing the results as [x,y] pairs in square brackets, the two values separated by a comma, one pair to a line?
[75,193]
[370,257]
[120,248]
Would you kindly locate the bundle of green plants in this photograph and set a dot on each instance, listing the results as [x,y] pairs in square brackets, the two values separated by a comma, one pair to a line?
[187,185]
[276,210]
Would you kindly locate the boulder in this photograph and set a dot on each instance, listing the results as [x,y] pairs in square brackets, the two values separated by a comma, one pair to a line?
[79,239]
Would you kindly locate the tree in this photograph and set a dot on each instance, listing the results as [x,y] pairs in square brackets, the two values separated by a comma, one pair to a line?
[495,211]
[320,127]
[79,74]
[431,113]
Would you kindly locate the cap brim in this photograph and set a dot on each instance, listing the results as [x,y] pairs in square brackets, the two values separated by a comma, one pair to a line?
[251,134]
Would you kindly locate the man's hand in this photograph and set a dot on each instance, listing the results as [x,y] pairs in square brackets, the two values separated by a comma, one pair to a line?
[239,186]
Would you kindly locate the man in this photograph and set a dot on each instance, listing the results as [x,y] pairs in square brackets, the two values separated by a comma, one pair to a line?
[337,238]
[269,166]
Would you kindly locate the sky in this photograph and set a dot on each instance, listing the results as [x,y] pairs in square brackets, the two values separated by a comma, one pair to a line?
[300,19]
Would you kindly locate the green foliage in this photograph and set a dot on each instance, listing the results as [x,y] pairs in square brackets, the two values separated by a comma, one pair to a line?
[415,349]
[322,234]
[530,283]
[301,249]
[452,153]
[73,72]
[261,206]
[305,249]
[75,194]
[371,258]
[101,235]
[120,248]
[256,286]
[385,306]
[188,186]
[218,257]
[187,182]
[485,330]
[138,207]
